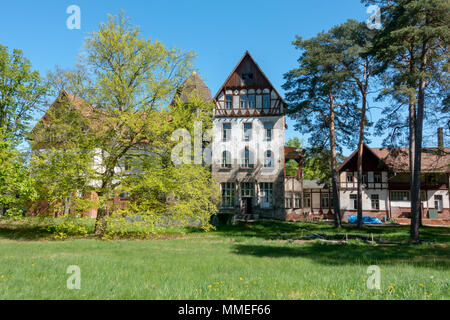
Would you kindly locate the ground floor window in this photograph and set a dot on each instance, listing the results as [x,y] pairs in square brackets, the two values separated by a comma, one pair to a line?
[247,189]
[375,199]
[325,200]
[288,200]
[307,200]
[297,200]
[400,196]
[227,194]
[354,201]
[266,194]
[438,204]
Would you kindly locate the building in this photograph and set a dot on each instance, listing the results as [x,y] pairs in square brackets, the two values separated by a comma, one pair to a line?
[248,153]
[386,184]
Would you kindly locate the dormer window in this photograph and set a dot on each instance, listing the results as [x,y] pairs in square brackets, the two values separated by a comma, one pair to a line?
[243,102]
[266,101]
[229,102]
[247,76]
[251,102]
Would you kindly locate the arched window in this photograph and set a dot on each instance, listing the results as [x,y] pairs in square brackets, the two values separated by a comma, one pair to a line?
[247,158]
[226,159]
[268,159]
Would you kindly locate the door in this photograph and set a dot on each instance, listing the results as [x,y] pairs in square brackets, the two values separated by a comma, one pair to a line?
[247,207]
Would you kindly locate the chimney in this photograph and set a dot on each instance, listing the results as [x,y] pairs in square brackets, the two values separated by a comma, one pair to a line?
[440,134]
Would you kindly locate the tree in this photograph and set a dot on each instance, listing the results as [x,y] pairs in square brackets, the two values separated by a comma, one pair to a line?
[128,82]
[22,90]
[315,165]
[353,42]
[16,186]
[413,47]
[61,164]
[321,102]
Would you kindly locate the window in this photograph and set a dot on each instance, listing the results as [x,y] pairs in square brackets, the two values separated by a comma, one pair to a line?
[423,196]
[127,163]
[325,200]
[247,160]
[227,194]
[377,177]
[226,131]
[268,128]
[243,102]
[297,200]
[226,159]
[266,194]
[400,196]
[364,178]
[438,202]
[251,102]
[266,101]
[354,201]
[375,200]
[268,159]
[349,176]
[288,201]
[307,200]
[247,76]
[67,202]
[124,195]
[229,102]
[247,131]
[247,189]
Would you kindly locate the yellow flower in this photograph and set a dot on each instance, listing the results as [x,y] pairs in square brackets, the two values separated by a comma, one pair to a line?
[210,286]
[2,276]
[83,295]
[276,283]
[420,284]
[241,278]
[32,265]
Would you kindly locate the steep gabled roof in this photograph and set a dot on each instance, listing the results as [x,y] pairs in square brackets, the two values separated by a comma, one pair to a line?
[247,63]
[191,84]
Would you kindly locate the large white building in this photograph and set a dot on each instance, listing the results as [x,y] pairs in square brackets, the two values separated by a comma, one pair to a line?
[248,153]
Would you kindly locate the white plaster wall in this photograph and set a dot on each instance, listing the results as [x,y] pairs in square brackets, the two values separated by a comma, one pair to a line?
[257,144]
[347,204]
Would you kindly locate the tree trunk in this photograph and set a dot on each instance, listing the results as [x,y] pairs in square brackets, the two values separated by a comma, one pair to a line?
[360,156]
[416,210]
[100,223]
[414,232]
[336,206]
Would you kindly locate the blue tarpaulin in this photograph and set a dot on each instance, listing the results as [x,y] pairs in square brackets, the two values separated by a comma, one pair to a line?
[354,219]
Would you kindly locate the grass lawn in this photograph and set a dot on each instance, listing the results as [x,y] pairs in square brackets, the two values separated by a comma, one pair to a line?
[266,260]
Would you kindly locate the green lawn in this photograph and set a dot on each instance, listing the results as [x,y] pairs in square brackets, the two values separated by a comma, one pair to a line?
[255,261]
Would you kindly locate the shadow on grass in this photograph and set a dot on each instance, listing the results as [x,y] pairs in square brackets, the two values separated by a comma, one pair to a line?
[271,230]
[340,254]
[25,232]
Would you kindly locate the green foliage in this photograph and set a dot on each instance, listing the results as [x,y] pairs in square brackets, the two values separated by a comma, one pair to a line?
[16,185]
[62,159]
[317,82]
[129,81]
[412,46]
[21,93]
[61,230]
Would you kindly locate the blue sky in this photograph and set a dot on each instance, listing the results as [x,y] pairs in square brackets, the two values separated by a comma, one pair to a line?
[218,31]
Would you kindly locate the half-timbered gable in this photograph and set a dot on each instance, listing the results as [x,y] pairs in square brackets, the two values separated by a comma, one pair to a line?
[248,92]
